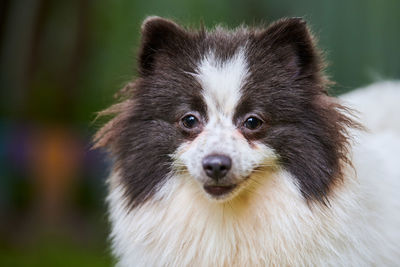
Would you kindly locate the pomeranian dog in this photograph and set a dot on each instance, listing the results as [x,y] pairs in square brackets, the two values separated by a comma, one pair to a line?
[228,151]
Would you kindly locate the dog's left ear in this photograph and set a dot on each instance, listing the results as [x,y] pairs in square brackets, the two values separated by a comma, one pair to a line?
[291,40]
[158,35]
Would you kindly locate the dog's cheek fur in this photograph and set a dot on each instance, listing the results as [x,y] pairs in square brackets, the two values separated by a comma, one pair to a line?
[142,157]
[309,157]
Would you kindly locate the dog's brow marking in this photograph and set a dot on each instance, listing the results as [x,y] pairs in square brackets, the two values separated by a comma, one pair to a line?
[222,82]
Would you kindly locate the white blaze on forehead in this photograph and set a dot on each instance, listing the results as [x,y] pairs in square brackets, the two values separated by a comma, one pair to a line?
[221,82]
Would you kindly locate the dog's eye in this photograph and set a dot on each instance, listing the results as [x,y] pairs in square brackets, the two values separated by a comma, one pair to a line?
[252,123]
[190,121]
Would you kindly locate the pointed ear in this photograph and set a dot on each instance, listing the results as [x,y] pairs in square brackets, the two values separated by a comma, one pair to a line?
[158,34]
[292,41]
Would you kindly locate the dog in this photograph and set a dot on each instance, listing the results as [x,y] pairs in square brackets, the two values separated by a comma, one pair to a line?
[229,151]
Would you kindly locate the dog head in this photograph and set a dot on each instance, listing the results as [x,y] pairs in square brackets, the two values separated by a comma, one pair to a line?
[222,106]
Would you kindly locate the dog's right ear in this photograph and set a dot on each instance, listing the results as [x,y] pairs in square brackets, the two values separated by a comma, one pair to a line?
[158,35]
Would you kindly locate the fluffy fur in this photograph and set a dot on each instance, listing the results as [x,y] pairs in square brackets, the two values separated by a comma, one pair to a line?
[311,188]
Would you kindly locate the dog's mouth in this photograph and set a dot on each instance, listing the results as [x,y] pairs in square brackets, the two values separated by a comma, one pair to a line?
[219,190]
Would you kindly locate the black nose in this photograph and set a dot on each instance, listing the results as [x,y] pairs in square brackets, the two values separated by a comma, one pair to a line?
[217,166]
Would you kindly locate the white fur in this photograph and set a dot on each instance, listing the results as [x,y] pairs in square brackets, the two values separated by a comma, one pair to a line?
[378,106]
[221,82]
[269,223]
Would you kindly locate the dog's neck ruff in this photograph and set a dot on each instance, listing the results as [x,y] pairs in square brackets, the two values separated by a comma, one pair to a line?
[270,224]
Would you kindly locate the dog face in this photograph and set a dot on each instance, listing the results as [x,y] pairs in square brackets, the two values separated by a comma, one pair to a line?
[222,106]
[220,157]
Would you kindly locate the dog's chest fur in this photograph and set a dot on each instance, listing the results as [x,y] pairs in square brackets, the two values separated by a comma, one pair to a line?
[270,227]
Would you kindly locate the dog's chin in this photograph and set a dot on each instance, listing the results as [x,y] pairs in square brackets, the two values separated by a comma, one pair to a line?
[220,192]
[223,192]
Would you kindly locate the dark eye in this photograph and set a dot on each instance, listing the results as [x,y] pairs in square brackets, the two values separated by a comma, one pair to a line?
[252,123]
[190,121]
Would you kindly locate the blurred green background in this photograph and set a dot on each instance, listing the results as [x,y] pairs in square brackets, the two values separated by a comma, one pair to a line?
[61,61]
